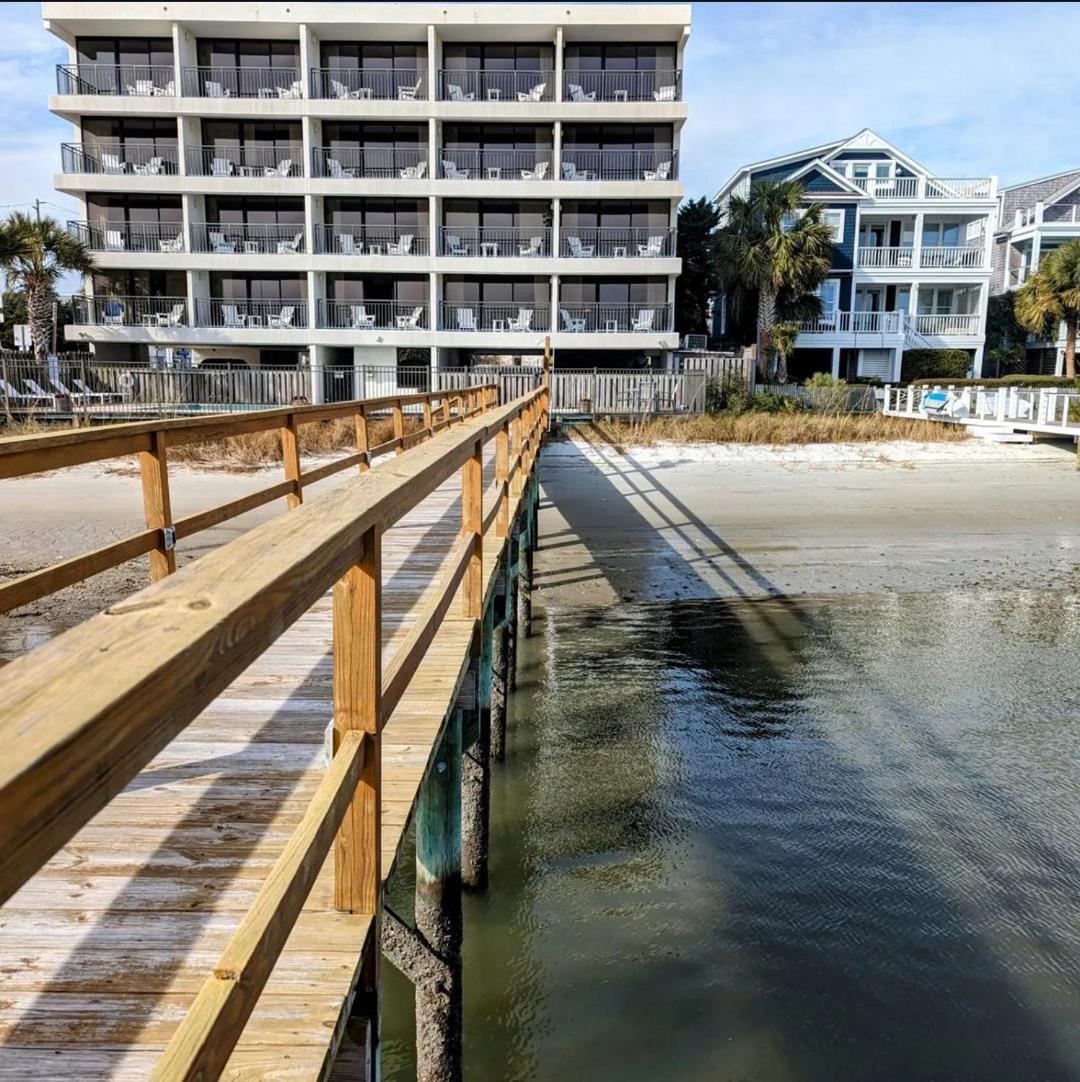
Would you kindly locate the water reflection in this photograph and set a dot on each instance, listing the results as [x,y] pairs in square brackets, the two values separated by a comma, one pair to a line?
[853,857]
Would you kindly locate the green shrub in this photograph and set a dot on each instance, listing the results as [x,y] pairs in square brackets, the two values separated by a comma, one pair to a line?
[774,402]
[825,379]
[729,393]
[939,364]
[830,393]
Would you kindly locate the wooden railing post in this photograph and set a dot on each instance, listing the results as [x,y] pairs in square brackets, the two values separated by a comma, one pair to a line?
[427,418]
[502,481]
[157,507]
[362,439]
[515,452]
[446,410]
[399,427]
[290,452]
[472,523]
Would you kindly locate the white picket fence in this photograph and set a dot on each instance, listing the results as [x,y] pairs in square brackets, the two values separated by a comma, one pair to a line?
[1044,410]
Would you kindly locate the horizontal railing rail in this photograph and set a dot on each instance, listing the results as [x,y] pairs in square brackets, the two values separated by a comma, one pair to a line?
[144,158]
[268,162]
[130,311]
[1061,214]
[514,317]
[935,188]
[517,86]
[496,242]
[248,238]
[896,257]
[370,84]
[386,163]
[969,256]
[345,239]
[947,323]
[656,165]
[888,187]
[959,187]
[533,163]
[372,315]
[854,323]
[1031,408]
[589,86]
[617,242]
[230,314]
[157,237]
[233,82]
[127,80]
[614,318]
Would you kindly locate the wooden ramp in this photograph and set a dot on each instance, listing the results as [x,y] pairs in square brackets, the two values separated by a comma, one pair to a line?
[104,949]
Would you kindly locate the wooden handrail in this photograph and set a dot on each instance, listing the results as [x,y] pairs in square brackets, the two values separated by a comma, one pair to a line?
[150,440]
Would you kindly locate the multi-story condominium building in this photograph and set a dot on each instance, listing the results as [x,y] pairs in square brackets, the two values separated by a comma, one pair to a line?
[331,183]
[1034,218]
[911,263]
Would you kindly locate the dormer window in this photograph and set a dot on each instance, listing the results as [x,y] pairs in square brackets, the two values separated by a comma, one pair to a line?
[877,170]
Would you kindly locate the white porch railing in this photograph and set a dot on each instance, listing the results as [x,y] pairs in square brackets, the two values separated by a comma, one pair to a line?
[959,187]
[892,258]
[948,257]
[854,323]
[1033,408]
[888,187]
[934,188]
[959,323]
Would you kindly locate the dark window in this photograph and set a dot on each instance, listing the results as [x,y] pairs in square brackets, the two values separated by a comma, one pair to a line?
[152,52]
[598,56]
[257,287]
[373,55]
[498,57]
[221,53]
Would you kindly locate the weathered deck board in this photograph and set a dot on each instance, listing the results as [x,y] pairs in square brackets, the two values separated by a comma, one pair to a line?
[103,951]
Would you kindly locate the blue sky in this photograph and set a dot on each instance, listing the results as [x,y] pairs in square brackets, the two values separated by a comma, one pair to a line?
[967,89]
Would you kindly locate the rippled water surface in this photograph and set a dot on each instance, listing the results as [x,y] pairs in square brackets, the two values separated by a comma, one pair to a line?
[772,840]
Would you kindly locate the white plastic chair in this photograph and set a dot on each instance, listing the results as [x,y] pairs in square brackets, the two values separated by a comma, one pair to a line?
[230,316]
[532,248]
[569,171]
[283,319]
[644,320]
[361,319]
[523,321]
[577,93]
[454,245]
[579,250]
[535,94]
[220,245]
[290,247]
[410,322]
[221,167]
[661,172]
[570,323]
[111,163]
[457,94]
[664,93]
[452,172]
[294,90]
[176,315]
[341,90]
[409,93]
[346,244]
[466,319]
[114,240]
[403,246]
[652,249]
[537,172]
[216,90]
[337,171]
[282,169]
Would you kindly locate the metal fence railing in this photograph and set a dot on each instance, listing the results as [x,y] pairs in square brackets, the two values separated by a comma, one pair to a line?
[130,236]
[127,80]
[142,158]
[516,86]
[387,163]
[372,315]
[233,82]
[248,238]
[659,164]
[532,163]
[369,84]
[610,242]
[502,242]
[238,160]
[589,86]
[631,393]
[614,318]
[358,239]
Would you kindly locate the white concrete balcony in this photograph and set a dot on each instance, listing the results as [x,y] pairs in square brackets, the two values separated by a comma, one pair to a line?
[372,315]
[659,164]
[248,238]
[372,240]
[129,311]
[942,189]
[369,84]
[495,242]
[614,318]
[385,163]
[155,237]
[472,317]
[928,257]
[145,158]
[249,162]
[497,86]
[243,314]
[590,86]
[605,242]
[533,163]
[233,82]
[123,80]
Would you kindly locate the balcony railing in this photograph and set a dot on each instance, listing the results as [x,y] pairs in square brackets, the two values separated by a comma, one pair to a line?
[387,163]
[854,323]
[606,242]
[519,317]
[130,311]
[586,86]
[523,86]
[661,164]
[891,258]
[959,188]
[374,84]
[129,236]
[495,242]
[247,315]
[232,82]
[888,187]
[1059,214]
[127,80]
[248,238]
[373,315]
[935,188]
[397,240]
[270,163]
[961,323]
[120,159]
[614,318]
[531,164]
[953,256]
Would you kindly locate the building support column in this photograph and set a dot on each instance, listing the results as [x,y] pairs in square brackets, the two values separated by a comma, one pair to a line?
[836,362]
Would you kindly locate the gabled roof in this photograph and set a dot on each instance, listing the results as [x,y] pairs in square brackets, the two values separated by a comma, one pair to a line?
[841,182]
[1040,180]
[1063,191]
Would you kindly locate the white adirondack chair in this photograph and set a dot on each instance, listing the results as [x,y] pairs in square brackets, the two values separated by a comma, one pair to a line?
[111,163]
[455,93]
[362,320]
[577,93]
[230,316]
[290,247]
[176,315]
[537,172]
[523,321]
[220,245]
[216,90]
[221,167]
[410,322]
[114,240]
[651,250]
[466,319]
[664,93]
[403,246]
[346,244]
[536,93]
[409,93]
[532,248]
[337,171]
[282,169]
[570,323]
[661,172]
[579,250]
[283,319]
[452,172]
[644,320]
[454,245]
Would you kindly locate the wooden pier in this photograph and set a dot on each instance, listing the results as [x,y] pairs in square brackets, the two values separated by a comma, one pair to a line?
[205,787]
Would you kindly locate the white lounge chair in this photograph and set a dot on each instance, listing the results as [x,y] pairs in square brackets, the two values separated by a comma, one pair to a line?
[644,320]
[537,172]
[337,171]
[342,91]
[111,163]
[454,245]
[570,323]
[294,90]
[532,248]
[290,247]
[455,93]
[114,240]
[89,392]
[577,93]
[403,246]
[664,93]
[534,94]
[166,91]
[152,168]
[413,172]
[112,313]
[652,249]
[216,90]
[661,172]
[220,245]
[230,316]
[579,250]
[569,171]
[175,315]
[409,93]
[523,321]
[466,319]
[362,320]
[282,169]
[38,391]
[452,172]
[7,390]
[410,322]
[283,319]
[346,244]
[221,167]
[171,244]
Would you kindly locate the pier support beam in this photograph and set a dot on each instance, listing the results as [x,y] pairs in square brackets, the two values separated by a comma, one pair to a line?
[500,656]
[476,766]
[525,562]
[511,611]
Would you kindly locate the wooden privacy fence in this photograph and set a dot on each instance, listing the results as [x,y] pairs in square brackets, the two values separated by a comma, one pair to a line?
[151,440]
[626,393]
[87,711]
[722,366]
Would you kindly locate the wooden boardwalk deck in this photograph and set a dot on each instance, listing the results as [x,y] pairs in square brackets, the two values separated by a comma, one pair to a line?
[103,950]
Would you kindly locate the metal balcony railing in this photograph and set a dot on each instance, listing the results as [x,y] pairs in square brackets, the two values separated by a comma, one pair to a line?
[247,315]
[127,80]
[606,242]
[270,163]
[496,242]
[387,163]
[144,159]
[588,86]
[372,84]
[232,82]
[248,238]
[515,317]
[533,163]
[397,240]
[129,236]
[961,257]
[373,315]
[516,86]
[614,318]
[130,311]
[659,164]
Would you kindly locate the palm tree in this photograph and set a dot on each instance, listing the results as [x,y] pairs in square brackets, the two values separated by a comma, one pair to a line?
[35,254]
[1052,295]
[775,246]
[782,338]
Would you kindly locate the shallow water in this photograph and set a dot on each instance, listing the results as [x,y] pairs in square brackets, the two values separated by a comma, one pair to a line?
[780,840]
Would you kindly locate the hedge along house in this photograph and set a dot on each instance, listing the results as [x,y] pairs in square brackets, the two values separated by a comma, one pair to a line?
[911,256]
